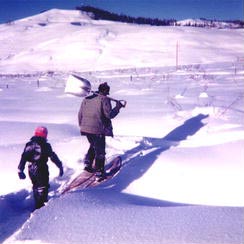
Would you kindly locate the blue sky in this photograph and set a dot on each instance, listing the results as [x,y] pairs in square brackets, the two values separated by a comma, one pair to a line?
[177,9]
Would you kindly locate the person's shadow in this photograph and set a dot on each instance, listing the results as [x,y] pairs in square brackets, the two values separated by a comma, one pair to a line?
[15,209]
[138,160]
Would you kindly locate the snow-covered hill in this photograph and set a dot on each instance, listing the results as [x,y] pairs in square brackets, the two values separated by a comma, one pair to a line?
[67,40]
[181,134]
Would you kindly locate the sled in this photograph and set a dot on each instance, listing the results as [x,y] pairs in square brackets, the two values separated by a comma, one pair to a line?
[111,172]
[87,179]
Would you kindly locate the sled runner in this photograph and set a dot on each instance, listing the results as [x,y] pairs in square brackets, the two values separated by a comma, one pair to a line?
[87,179]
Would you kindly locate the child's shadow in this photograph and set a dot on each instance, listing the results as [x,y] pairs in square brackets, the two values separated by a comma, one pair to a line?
[14,211]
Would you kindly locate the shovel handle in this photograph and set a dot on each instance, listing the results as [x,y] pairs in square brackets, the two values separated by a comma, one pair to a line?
[122,102]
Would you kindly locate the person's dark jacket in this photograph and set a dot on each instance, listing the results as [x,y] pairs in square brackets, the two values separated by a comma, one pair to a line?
[38,171]
[95,115]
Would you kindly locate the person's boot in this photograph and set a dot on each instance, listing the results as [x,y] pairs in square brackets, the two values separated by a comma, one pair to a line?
[100,172]
[89,169]
[100,175]
[88,166]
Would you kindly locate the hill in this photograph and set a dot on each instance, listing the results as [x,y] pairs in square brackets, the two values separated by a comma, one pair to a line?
[180,136]
[70,41]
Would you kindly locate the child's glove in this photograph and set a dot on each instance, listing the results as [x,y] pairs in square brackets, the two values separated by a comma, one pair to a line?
[61,171]
[21,175]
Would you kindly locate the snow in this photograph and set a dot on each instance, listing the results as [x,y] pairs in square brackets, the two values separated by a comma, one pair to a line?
[180,136]
[207,23]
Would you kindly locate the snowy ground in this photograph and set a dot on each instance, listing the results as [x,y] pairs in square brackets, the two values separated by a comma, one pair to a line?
[181,134]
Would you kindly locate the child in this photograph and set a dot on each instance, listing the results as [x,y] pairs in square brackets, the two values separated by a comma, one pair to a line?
[36,152]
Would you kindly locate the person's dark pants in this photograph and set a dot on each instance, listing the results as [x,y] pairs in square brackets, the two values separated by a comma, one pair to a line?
[40,196]
[96,152]
[40,183]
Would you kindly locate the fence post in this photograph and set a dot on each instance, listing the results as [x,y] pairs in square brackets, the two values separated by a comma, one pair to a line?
[177,55]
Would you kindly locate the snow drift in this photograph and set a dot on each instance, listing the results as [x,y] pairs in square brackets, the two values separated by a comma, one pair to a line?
[180,135]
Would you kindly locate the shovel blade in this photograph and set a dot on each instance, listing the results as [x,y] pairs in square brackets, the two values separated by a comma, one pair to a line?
[77,86]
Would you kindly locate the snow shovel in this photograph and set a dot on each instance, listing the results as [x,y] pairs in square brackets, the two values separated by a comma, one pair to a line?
[81,87]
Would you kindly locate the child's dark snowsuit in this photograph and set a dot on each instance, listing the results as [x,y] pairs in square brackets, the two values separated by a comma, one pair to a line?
[38,170]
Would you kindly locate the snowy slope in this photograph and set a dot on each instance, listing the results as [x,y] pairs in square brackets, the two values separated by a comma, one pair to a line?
[45,41]
[181,134]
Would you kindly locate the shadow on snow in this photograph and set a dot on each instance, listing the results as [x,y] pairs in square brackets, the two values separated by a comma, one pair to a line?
[138,160]
[15,208]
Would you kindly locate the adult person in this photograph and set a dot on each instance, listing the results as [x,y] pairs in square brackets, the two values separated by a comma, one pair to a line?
[94,118]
